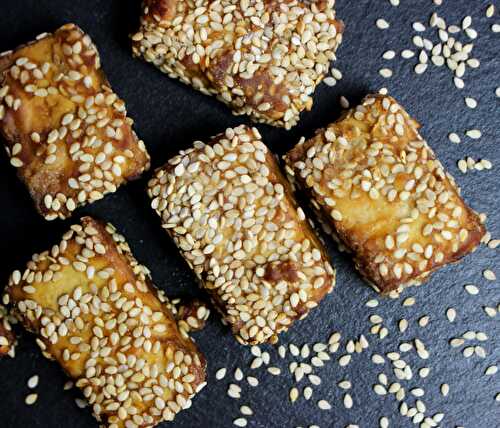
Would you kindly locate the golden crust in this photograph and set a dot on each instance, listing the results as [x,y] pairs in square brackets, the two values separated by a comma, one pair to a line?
[262,58]
[95,311]
[232,214]
[378,187]
[66,131]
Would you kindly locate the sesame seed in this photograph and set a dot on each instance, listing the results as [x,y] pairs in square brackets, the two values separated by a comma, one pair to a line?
[489,275]
[33,382]
[491,370]
[475,134]
[382,24]
[451,314]
[324,405]
[240,422]
[454,138]
[245,410]
[385,72]
[470,102]
[348,403]
[293,394]
[31,399]
[471,289]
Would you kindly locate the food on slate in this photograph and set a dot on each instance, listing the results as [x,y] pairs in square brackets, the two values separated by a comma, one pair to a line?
[232,214]
[379,190]
[67,133]
[263,58]
[97,313]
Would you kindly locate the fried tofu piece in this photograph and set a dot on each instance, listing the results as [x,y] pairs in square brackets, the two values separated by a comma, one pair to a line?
[232,214]
[66,132]
[97,313]
[7,337]
[379,189]
[262,58]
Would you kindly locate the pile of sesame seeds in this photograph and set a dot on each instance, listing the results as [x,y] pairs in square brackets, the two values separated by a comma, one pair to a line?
[111,331]
[81,150]
[231,214]
[261,58]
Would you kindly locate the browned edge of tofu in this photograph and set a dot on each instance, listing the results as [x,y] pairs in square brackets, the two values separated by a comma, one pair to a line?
[274,272]
[66,132]
[252,88]
[44,303]
[365,250]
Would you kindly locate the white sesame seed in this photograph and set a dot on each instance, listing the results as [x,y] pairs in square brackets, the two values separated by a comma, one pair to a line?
[491,370]
[454,138]
[451,314]
[420,68]
[33,381]
[348,403]
[221,373]
[31,399]
[372,303]
[240,422]
[407,54]
[245,410]
[470,102]
[489,275]
[275,371]
[385,72]
[378,359]
[294,394]
[424,372]
[382,24]
[252,381]
[490,11]
[344,360]
[475,134]
[324,405]
[379,389]
[390,54]
[418,26]
[471,289]
[384,422]
[445,389]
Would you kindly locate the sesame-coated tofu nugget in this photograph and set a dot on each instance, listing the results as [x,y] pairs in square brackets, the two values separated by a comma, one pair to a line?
[96,312]
[66,132]
[263,58]
[379,189]
[232,215]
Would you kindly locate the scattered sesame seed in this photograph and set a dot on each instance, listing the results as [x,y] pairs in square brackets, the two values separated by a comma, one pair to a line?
[471,289]
[489,275]
[379,389]
[294,394]
[475,134]
[390,54]
[31,399]
[424,372]
[418,26]
[409,301]
[348,403]
[454,138]
[324,405]
[382,24]
[491,370]
[33,382]
[451,314]
[219,374]
[373,303]
[385,72]
[490,11]
[240,422]
[470,102]
[275,371]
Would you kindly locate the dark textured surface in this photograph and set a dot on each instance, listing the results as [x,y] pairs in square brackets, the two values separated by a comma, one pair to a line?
[169,116]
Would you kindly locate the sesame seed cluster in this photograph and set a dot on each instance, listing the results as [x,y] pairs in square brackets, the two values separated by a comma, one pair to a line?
[263,58]
[379,189]
[94,310]
[66,131]
[7,337]
[232,215]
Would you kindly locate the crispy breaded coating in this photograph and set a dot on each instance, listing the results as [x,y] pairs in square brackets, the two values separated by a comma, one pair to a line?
[96,312]
[379,189]
[66,132]
[233,216]
[263,58]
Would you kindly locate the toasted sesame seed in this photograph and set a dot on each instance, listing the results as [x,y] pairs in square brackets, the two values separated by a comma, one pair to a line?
[382,24]
[31,399]
[489,275]
[33,382]
[324,405]
[451,314]
[471,289]
[240,422]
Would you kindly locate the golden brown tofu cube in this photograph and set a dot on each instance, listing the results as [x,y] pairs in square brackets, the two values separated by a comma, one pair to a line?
[96,312]
[66,132]
[263,59]
[232,215]
[377,186]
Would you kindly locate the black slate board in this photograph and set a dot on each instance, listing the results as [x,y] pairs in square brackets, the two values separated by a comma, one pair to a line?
[169,116]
